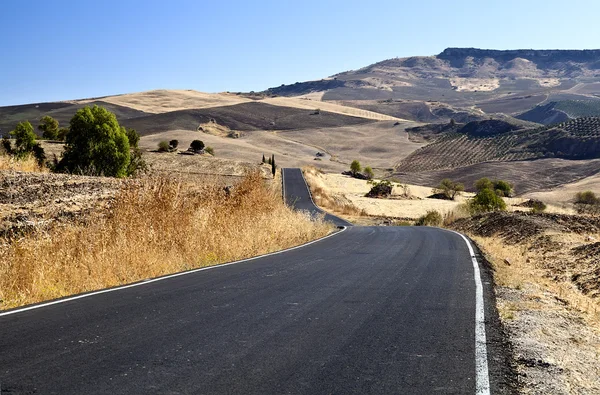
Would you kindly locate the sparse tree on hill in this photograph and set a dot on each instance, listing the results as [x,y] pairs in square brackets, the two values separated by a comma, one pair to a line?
[273,165]
[197,145]
[96,144]
[369,172]
[487,200]
[49,127]
[450,189]
[483,183]
[355,167]
[173,144]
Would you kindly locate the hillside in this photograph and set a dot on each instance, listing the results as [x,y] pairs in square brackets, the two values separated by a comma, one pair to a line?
[510,82]
[562,111]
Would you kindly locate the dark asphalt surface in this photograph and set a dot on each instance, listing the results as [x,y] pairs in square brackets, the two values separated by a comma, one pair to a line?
[372,310]
[297,195]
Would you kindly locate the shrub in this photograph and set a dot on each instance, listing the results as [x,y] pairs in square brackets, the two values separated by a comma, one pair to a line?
[432,218]
[380,189]
[62,134]
[164,146]
[450,189]
[133,137]
[24,138]
[173,144]
[485,201]
[503,188]
[209,150]
[369,172]
[197,145]
[483,183]
[587,197]
[537,206]
[96,144]
[355,167]
[49,127]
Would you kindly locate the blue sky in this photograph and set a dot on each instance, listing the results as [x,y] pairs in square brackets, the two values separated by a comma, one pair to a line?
[64,49]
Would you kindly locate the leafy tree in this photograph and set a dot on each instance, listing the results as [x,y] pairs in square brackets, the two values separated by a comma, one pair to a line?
[355,167]
[163,146]
[503,188]
[133,137]
[450,189]
[62,134]
[369,172]
[49,128]
[483,183]
[173,144]
[487,200]
[96,144]
[197,145]
[25,138]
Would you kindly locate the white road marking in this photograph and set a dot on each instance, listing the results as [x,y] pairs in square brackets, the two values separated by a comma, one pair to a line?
[153,280]
[482,375]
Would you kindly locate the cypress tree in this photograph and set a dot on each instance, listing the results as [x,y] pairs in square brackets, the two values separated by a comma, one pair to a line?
[273,166]
[264,160]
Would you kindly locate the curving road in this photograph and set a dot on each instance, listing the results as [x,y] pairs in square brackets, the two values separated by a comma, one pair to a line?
[369,310]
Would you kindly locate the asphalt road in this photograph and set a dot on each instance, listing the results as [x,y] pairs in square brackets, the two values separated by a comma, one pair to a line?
[370,310]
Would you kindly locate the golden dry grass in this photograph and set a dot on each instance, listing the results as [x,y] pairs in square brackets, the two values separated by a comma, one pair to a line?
[336,204]
[28,164]
[155,226]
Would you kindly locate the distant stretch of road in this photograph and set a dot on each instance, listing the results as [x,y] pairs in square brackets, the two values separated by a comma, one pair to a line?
[369,310]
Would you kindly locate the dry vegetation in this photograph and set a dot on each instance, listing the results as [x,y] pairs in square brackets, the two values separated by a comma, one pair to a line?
[337,204]
[548,294]
[28,164]
[154,226]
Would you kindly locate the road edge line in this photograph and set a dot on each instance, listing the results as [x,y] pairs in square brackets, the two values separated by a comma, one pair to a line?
[482,374]
[165,277]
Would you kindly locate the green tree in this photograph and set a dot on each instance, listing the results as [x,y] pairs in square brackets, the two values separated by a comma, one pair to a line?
[487,200]
[483,183]
[6,145]
[133,137]
[24,138]
[174,144]
[503,188]
[62,134]
[450,189]
[49,128]
[263,159]
[369,172]
[355,167]
[96,144]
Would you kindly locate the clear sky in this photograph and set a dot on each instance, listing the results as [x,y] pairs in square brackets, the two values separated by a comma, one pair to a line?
[65,49]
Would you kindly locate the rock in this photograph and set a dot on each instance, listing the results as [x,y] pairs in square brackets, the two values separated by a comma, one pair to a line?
[507,261]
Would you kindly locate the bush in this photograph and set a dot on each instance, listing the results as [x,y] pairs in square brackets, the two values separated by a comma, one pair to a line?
[432,218]
[133,137]
[96,144]
[587,197]
[500,187]
[355,167]
[62,134]
[537,206]
[485,201]
[381,189]
[197,145]
[369,172]
[24,139]
[210,150]
[173,144]
[164,146]
[450,189]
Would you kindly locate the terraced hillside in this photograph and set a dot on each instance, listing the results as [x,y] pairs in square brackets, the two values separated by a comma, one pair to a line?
[496,141]
[562,111]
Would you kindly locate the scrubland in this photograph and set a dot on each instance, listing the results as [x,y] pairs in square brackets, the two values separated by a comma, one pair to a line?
[153,226]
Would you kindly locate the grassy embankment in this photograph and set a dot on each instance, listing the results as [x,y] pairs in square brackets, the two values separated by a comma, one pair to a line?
[155,226]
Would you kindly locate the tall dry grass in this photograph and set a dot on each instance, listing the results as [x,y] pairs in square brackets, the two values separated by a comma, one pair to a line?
[155,226]
[322,198]
[27,164]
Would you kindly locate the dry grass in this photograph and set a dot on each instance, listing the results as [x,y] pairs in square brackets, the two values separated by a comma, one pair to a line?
[28,164]
[155,226]
[336,204]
